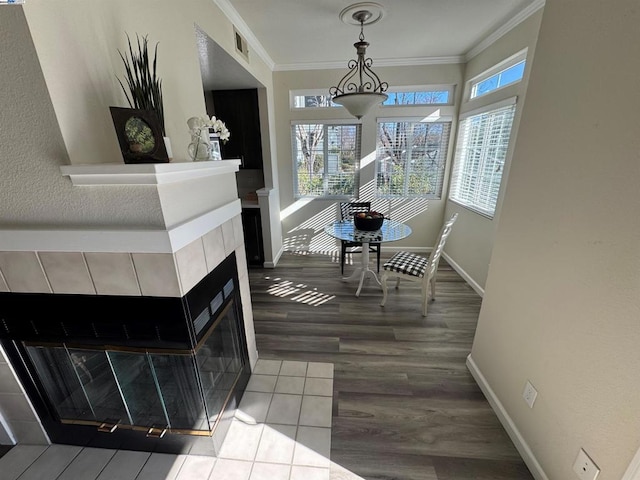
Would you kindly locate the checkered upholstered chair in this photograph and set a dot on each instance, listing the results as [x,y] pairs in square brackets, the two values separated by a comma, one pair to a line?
[416,268]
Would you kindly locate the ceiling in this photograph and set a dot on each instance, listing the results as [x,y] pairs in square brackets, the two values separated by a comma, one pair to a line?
[308,34]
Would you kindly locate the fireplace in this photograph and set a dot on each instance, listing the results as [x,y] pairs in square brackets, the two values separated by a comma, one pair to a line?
[160,374]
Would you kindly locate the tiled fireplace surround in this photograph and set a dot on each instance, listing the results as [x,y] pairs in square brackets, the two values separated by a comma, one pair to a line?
[108,273]
[204,241]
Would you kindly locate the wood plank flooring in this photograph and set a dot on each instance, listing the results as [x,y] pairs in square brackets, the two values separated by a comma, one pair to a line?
[404,404]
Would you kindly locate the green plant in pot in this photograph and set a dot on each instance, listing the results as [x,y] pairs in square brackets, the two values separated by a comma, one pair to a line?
[143,88]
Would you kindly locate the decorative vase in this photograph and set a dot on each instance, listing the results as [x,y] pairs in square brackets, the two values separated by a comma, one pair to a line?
[199,151]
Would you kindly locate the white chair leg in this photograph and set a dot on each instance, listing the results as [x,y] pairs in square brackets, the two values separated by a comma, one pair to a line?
[383,284]
[425,299]
[432,282]
[397,282]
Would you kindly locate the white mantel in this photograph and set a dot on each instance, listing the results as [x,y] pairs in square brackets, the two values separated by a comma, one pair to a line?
[189,183]
[146,173]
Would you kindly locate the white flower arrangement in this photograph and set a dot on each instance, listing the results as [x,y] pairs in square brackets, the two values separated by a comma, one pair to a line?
[202,125]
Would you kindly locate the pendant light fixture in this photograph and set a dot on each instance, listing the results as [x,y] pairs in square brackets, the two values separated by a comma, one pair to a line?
[360,89]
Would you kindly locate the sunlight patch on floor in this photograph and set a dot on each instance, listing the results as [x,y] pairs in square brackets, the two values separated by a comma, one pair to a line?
[302,292]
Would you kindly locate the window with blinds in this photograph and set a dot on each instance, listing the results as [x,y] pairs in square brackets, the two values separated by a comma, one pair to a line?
[326,159]
[411,157]
[481,150]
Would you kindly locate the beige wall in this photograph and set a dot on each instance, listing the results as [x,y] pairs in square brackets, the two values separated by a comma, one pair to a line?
[562,300]
[303,220]
[32,190]
[471,240]
[59,78]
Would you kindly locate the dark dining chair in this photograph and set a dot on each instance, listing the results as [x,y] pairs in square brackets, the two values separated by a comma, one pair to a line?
[347,211]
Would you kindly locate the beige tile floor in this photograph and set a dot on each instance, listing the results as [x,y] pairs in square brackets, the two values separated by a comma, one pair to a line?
[282,431]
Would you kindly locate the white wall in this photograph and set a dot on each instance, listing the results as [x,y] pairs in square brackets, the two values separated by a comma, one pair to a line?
[60,77]
[32,149]
[562,298]
[58,73]
[471,240]
[303,220]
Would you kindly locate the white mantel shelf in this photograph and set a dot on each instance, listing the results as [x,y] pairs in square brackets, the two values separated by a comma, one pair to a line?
[146,173]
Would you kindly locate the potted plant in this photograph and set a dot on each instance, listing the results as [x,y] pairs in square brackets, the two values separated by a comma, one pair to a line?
[143,88]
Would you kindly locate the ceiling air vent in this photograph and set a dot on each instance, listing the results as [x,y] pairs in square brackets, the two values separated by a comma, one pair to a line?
[241,44]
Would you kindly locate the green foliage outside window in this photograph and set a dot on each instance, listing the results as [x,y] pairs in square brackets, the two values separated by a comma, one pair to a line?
[326,159]
[410,158]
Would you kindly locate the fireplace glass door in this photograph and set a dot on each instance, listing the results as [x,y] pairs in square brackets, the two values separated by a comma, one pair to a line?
[182,391]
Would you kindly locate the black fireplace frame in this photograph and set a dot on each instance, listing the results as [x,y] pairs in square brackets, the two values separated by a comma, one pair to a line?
[154,324]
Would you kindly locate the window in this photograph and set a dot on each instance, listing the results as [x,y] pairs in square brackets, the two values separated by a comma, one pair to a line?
[326,158]
[312,101]
[507,72]
[481,150]
[410,157]
[421,95]
[435,95]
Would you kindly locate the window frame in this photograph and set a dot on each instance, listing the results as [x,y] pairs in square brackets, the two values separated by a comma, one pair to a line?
[450,88]
[457,167]
[496,70]
[312,92]
[438,193]
[358,159]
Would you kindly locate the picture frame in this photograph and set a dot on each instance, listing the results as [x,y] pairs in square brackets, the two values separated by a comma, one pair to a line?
[214,140]
[139,135]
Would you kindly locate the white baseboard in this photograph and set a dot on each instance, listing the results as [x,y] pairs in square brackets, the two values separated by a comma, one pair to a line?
[6,435]
[633,470]
[508,424]
[275,260]
[475,285]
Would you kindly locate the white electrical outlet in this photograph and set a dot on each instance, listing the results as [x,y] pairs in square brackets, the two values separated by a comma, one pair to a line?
[529,394]
[584,467]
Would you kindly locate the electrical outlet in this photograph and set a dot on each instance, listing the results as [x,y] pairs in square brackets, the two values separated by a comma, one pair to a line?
[584,467]
[529,394]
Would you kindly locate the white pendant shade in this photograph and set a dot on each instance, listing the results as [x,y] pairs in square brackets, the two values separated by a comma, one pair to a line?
[358,104]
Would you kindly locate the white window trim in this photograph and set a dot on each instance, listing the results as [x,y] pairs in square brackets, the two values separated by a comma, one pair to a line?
[478,111]
[339,121]
[437,118]
[451,88]
[497,68]
[487,108]
[428,119]
[330,121]
[308,92]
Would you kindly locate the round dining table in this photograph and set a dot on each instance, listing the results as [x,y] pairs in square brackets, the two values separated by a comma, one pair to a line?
[390,231]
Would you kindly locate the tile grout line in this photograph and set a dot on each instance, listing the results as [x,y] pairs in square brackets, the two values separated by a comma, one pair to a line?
[254,460]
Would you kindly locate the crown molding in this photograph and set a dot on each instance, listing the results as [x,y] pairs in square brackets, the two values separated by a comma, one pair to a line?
[505,28]
[378,62]
[235,18]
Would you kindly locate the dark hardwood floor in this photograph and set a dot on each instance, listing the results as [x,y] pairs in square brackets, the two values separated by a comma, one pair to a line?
[4,449]
[405,405]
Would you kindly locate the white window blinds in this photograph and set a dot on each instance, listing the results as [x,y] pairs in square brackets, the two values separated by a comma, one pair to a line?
[411,157]
[481,150]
